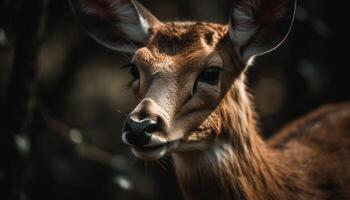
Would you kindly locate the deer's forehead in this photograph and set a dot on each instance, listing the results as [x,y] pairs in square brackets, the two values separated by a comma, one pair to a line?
[154,60]
[177,45]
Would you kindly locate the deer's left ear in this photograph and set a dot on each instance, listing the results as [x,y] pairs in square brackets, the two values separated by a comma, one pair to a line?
[122,25]
[260,26]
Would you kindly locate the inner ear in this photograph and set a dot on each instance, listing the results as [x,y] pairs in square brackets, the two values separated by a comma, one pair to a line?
[122,25]
[260,26]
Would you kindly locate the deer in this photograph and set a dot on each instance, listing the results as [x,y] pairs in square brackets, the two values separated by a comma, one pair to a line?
[189,80]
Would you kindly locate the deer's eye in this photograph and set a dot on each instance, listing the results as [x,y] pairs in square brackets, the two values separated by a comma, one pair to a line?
[210,75]
[134,72]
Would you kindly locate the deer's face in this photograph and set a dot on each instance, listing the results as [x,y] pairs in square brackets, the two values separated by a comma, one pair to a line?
[181,71]
[178,81]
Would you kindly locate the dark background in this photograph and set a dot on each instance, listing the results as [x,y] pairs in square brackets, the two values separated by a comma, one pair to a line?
[70,148]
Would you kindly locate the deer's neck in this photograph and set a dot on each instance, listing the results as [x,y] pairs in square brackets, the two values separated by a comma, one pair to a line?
[221,173]
[238,165]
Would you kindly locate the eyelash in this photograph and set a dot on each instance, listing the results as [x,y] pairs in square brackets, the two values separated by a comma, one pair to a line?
[210,75]
[129,84]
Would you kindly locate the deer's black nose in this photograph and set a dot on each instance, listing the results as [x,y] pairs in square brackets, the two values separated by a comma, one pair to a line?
[139,132]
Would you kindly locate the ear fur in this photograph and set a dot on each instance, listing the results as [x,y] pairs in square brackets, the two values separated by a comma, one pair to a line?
[259,26]
[122,25]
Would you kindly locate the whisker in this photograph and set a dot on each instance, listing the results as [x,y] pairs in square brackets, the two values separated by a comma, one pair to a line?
[146,167]
[138,164]
[126,56]
[162,163]
[126,86]
[121,112]
[168,160]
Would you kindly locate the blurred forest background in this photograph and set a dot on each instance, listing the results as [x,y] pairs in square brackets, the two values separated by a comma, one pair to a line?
[62,96]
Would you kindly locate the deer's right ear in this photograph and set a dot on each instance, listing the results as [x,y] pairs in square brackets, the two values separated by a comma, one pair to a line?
[122,25]
[260,26]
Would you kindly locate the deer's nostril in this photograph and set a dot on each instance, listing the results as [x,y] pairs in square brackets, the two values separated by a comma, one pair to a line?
[151,128]
[139,126]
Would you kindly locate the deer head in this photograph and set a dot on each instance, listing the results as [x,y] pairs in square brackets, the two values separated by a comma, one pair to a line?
[188,76]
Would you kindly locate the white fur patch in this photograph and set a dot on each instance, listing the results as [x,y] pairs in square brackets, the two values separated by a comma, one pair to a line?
[243,29]
[221,152]
[156,140]
[132,23]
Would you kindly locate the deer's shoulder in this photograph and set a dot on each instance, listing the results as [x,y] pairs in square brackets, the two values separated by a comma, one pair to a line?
[318,145]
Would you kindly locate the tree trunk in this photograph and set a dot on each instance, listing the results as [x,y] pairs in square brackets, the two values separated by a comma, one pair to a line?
[29,26]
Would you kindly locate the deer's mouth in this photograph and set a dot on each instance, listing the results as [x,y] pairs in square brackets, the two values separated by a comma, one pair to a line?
[153,152]
[159,146]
